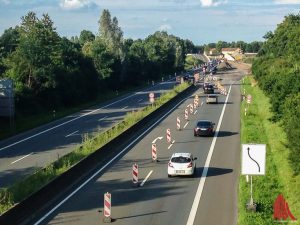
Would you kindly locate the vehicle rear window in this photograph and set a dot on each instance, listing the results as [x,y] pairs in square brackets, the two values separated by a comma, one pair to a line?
[203,124]
[181,159]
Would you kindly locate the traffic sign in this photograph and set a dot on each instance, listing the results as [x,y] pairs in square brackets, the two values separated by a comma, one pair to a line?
[253,159]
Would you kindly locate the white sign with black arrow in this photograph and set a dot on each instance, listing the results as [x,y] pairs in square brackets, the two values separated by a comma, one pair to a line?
[253,159]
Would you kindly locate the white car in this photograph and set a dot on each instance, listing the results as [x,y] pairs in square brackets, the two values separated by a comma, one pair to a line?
[182,164]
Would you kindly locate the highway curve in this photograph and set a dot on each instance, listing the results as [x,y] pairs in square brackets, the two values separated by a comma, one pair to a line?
[209,198]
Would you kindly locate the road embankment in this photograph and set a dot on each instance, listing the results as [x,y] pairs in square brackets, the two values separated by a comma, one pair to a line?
[257,127]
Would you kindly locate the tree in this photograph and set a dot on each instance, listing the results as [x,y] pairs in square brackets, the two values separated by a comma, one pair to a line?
[277,70]
[191,62]
[37,52]
[86,36]
[220,45]
[102,57]
[9,41]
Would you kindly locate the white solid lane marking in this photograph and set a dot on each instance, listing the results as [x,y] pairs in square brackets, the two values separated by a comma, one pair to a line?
[195,112]
[107,164]
[69,121]
[201,103]
[71,133]
[144,181]
[21,158]
[140,100]
[205,170]
[186,124]
[125,107]
[170,146]
[102,118]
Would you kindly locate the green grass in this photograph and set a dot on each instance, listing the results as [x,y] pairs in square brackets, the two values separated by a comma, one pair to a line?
[257,127]
[29,185]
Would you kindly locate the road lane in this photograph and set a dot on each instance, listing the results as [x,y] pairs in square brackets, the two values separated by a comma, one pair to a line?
[218,204]
[47,143]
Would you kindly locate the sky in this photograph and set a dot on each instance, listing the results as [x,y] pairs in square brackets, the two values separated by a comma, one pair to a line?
[201,21]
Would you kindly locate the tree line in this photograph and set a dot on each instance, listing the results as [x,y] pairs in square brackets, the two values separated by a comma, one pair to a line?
[252,47]
[278,71]
[50,71]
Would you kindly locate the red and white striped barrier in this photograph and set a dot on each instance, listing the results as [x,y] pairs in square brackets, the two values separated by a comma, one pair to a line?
[178,123]
[191,108]
[196,101]
[154,152]
[224,91]
[186,114]
[107,207]
[168,135]
[195,104]
[135,173]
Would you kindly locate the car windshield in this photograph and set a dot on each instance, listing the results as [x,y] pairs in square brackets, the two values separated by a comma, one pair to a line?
[203,124]
[181,159]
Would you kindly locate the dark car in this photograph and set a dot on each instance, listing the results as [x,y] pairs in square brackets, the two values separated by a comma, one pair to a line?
[214,70]
[204,128]
[208,89]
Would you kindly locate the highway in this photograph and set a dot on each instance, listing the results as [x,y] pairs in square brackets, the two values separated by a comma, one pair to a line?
[210,197]
[22,154]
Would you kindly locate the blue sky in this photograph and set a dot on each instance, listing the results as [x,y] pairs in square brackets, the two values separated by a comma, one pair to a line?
[201,21]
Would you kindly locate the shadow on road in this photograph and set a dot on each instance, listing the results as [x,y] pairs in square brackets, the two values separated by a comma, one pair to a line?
[144,214]
[226,133]
[213,171]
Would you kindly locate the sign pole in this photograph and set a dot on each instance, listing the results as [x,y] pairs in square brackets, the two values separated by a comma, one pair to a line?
[251,192]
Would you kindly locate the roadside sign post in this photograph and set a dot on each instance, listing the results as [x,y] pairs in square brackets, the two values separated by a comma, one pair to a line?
[178,123]
[253,163]
[168,135]
[135,174]
[151,98]
[249,99]
[186,114]
[154,153]
[107,208]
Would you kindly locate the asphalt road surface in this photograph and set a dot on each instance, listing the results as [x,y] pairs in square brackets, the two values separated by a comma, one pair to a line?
[21,155]
[210,197]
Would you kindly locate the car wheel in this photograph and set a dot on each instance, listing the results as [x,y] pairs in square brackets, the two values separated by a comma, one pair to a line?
[169,175]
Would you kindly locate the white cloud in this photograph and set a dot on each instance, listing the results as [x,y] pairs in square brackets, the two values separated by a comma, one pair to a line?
[74,4]
[6,2]
[165,27]
[287,2]
[209,3]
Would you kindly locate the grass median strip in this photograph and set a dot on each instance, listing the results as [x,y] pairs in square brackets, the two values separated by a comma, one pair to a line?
[257,127]
[22,189]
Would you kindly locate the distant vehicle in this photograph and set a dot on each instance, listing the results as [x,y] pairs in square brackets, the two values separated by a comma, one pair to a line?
[212,98]
[181,164]
[204,128]
[214,70]
[208,88]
